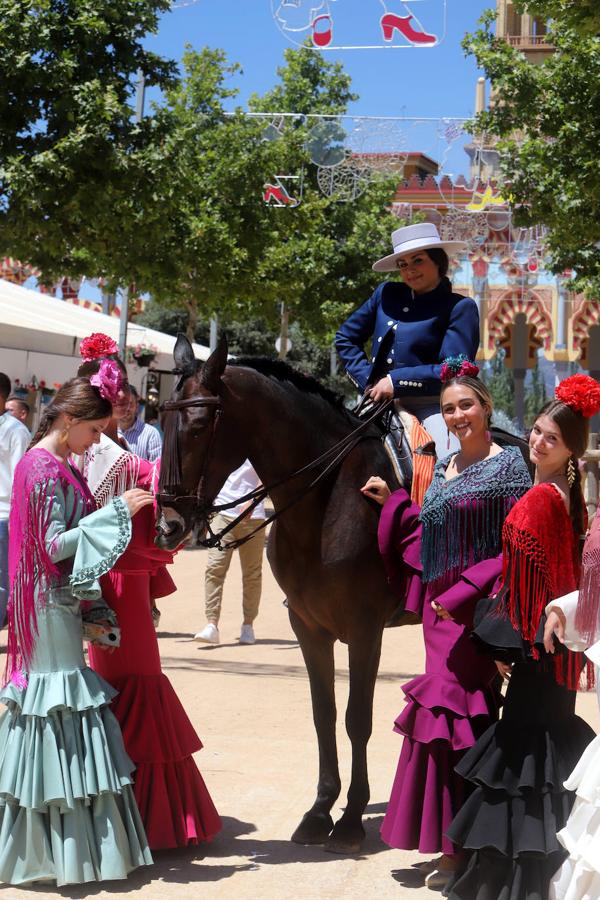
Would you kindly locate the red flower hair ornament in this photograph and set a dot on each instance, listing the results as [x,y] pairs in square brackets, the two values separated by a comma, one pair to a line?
[455,366]
[96,346]
[581,393]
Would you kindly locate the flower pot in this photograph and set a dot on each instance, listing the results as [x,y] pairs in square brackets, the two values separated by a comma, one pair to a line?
[145,360]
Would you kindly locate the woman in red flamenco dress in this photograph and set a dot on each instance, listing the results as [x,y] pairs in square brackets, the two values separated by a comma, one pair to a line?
[174,802]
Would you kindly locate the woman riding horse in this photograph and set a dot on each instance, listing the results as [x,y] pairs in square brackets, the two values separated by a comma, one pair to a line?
[414,326]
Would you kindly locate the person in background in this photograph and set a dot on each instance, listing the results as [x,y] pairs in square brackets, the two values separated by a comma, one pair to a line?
[14,440]
[142,439]
[18,408]
[239,483]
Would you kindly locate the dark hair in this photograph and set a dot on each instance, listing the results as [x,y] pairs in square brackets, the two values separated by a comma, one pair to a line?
[575,430]
[134,392]
[22,403]
[480,390]
[4,385]
[91,366]
[77,398]
[439,256]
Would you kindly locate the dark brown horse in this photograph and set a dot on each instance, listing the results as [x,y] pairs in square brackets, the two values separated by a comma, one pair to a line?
[323,549]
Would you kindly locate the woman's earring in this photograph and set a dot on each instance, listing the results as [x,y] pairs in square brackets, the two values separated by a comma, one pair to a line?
[488,435]
[448,441]
[571,472]
[64,436]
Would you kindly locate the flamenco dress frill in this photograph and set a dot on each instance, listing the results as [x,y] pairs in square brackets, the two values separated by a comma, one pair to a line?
[579,876]
[174,802]
[519,767]
[67,810]
[452,704]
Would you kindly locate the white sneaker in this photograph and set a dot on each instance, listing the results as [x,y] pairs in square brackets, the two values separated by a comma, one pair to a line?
[208,635]
[247,635]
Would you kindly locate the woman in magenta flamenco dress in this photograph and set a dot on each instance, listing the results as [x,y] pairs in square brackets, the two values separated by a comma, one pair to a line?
[174,802]
[449,706]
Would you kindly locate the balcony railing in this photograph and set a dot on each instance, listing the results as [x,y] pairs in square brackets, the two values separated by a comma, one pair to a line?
[539,41]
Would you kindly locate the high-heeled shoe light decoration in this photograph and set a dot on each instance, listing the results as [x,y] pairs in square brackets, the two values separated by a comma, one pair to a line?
[379,24]
[276,193]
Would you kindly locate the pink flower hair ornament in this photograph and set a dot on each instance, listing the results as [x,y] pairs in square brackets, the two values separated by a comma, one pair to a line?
[96,346]
[109,380]
[456,366]
[581,393]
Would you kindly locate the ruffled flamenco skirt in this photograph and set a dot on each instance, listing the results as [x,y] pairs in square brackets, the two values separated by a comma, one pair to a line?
[174,802]
[579,876]
[67,810]
[519,802]
[440,721]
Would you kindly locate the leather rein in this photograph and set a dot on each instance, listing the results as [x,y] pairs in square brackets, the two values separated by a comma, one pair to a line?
[330,458]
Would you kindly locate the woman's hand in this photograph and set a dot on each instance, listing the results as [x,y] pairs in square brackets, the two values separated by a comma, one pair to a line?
[505,669]
[555,625]
[441,612]
[376,488]
[136,499]
[383,390]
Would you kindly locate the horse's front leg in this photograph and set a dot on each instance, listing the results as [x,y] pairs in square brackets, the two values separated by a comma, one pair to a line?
[317,649]
[364,651]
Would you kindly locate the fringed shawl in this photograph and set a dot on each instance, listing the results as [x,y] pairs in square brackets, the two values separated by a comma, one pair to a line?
[540,563]
[462,518]
[31,570]
[109,470]
[587,615]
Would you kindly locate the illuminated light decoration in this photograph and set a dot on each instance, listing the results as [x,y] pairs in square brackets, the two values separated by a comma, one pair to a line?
[15,271]
[458,225]
[503,311]
[484,199]
[345,182]
[333,25]
[586,315]
[276,194]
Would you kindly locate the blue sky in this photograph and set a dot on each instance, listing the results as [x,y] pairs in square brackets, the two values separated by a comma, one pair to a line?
[437,81]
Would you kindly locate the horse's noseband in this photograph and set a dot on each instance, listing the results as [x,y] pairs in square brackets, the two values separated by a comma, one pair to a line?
[170,475]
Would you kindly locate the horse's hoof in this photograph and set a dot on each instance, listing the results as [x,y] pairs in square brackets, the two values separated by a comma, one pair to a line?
[313,829]
[345,839]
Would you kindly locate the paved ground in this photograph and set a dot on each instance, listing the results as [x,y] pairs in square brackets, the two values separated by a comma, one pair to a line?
[251,708]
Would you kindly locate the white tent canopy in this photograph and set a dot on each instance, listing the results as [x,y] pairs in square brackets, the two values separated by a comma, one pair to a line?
[40,335]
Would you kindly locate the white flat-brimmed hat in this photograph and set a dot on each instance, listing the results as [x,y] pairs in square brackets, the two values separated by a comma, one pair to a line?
[412,238]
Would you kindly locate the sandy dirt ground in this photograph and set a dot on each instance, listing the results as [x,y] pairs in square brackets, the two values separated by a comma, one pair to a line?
[251,707]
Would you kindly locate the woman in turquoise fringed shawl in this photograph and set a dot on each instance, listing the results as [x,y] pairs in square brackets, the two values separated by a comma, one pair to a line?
[67,811]
[449,706]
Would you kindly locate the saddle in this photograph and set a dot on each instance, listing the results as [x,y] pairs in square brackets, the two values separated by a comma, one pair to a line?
[409,446]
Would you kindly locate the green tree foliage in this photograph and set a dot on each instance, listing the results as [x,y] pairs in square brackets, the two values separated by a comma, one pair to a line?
[318,256]
[501,384]
[535,395]
[547,121]
[67,136]
[582,15]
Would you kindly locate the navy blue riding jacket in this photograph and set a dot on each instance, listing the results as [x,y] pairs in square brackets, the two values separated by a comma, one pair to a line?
[412,336]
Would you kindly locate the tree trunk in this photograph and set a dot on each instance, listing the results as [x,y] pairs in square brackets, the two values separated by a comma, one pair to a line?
[192,308]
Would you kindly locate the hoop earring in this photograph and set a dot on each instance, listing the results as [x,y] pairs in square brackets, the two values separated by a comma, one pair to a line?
[571,472]
[488,435]
[64,436]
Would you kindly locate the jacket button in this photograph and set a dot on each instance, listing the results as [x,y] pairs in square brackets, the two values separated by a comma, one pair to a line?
[390,322]
[390,360]
[379,339]
[405,309]
[395,327]
[372,359]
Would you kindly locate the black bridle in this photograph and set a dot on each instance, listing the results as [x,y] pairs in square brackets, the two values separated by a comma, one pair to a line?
[171,475]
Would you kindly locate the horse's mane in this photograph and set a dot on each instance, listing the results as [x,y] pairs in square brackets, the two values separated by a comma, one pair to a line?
[282,371]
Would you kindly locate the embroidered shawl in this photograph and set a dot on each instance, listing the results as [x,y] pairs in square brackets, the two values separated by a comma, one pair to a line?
[109,470]
[462,518]
[31,570]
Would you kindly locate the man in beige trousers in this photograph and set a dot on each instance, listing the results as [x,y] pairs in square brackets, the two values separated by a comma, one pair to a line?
[239,483]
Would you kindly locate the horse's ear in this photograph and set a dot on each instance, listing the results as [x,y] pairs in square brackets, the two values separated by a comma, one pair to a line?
[183,354]
[213,368]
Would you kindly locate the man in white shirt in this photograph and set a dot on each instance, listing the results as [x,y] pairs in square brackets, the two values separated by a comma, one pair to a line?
[18,408]
[239,483]
[142,439]
[14,440]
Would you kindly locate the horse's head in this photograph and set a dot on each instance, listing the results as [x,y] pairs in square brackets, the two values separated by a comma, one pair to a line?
[200,449]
